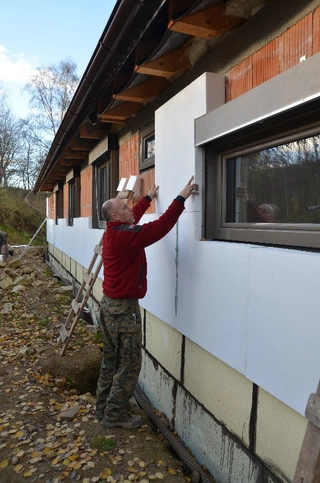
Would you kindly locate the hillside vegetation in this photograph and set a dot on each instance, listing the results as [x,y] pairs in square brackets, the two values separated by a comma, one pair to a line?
[21,215]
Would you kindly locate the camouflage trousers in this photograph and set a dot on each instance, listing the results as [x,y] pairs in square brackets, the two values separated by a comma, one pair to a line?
[120,322]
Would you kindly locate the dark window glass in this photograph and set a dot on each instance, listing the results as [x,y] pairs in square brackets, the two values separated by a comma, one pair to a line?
[147,148]
[280,184]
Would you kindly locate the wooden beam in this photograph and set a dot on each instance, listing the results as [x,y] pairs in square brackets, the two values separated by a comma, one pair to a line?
[69,162]
[122,112]
[144,92]
[207,23]
[168,65]
[75,154]
[81,144]
[97,131]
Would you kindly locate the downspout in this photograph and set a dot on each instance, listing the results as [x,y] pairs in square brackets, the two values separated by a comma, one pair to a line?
[91,74]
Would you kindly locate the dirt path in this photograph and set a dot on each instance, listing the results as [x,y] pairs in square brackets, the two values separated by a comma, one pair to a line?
[37,387]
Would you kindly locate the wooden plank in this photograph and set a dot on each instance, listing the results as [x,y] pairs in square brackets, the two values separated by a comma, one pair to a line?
[166,65]
[207,23]
[308,466]
[122,112]
[144,92]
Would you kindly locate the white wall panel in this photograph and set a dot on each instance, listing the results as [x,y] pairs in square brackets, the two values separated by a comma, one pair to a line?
[284,330]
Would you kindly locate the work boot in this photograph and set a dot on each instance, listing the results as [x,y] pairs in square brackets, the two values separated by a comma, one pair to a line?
[128,422]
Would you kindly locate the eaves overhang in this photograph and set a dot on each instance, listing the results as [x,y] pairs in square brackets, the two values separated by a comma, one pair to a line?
[146,46]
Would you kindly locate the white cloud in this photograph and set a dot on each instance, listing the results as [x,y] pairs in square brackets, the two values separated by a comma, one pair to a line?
[14,67]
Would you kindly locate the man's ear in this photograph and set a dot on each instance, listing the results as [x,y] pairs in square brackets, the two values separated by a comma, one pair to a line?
[113,217]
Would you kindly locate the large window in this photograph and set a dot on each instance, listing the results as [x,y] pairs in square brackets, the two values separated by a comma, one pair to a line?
[147,148]
[265,192]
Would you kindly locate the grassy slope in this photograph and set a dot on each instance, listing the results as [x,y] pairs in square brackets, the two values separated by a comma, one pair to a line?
[21,214]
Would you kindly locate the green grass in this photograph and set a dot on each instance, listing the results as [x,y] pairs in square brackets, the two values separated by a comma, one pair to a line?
[21,214]
[43,323]
[101,443]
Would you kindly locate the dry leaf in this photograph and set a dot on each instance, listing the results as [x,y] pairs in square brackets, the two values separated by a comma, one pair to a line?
[4,464]
[18,468]
[106,472]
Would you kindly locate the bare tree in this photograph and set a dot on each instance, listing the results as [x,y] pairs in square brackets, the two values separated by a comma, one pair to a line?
[51,90]
[10,140]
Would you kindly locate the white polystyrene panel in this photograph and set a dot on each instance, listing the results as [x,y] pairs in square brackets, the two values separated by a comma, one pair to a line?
[77,241]
[284,330]
[200,289]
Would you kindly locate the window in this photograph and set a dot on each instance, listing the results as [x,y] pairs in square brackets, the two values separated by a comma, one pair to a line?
[147,148]
[263,185]
[102,189]
[74,196]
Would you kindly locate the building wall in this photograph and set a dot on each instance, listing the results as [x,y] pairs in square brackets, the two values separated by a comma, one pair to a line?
[230,365]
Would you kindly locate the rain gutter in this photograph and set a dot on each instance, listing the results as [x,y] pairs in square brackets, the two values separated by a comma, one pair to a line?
[114,35]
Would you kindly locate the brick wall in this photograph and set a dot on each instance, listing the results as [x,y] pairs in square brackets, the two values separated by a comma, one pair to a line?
[285,51]
[129,165]
[52,206]
[65,200]
[86,192]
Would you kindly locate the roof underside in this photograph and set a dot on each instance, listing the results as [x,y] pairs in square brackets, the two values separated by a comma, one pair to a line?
[146,47]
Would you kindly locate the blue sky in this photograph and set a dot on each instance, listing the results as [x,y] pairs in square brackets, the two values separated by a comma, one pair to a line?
[43,32]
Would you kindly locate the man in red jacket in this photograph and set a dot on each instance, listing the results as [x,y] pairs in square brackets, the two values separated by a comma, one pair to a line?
[125,281]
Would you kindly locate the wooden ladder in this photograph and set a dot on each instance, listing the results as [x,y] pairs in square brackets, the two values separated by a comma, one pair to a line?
[77,304]
[308,466]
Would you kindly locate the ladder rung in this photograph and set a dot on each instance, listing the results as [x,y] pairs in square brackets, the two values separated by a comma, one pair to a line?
[87,277]
[75,305]
[98,249]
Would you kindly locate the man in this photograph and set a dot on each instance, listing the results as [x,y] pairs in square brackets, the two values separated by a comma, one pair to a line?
[4,243]
[125,281]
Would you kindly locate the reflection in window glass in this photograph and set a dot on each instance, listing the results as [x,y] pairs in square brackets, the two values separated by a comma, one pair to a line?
[150,147]
[275,185]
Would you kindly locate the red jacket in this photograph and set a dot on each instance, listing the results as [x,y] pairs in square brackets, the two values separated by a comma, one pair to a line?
[124,258]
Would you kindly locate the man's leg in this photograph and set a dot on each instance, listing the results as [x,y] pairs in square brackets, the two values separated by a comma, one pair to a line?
[125,379]
[107,368]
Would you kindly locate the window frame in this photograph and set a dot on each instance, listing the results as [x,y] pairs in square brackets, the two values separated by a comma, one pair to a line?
[290,126]
[146,133]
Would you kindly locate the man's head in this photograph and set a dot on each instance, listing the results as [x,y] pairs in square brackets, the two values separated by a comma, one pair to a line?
[117,210]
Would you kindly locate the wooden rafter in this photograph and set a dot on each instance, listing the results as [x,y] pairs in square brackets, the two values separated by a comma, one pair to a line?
[97,131]
[69,162]
[167,65]
[75,154]
[144,92]
[78,144]
[122,112]
[207,23]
